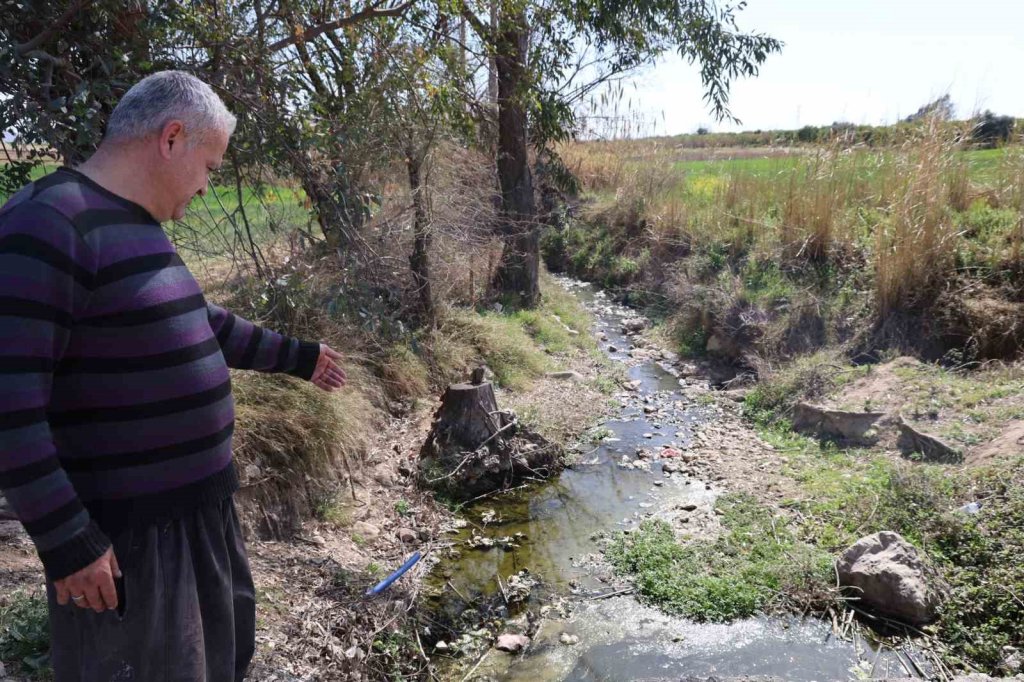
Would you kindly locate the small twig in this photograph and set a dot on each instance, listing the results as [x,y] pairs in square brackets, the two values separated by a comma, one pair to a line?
[471,454]
[473,670]
[504,595]
[609,595]
[456,590]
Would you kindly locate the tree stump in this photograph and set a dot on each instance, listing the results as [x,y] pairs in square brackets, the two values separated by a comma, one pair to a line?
[473,448]
[468,414]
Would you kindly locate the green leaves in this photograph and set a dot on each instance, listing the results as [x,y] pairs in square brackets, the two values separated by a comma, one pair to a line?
[24,631]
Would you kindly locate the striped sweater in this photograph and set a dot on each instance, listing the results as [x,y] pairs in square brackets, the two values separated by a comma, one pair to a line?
[115,396]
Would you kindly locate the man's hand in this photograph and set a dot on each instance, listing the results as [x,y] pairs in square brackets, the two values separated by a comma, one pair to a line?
[328,374]
[93,586]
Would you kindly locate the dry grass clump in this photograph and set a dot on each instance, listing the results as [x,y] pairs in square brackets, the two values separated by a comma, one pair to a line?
[915,248]
[289,425]
[294,443]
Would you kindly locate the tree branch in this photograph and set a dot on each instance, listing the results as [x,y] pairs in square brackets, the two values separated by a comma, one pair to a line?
[371,12]
[482,30]
[23,48]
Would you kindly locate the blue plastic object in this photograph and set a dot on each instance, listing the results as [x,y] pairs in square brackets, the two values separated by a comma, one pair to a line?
[386,583]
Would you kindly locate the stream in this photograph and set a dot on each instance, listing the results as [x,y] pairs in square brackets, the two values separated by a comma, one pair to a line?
[554,529]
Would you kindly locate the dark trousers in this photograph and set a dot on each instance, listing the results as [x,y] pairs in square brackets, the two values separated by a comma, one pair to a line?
[187,611]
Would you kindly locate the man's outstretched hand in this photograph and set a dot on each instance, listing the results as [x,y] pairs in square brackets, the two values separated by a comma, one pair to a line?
[93,586]
[328,374]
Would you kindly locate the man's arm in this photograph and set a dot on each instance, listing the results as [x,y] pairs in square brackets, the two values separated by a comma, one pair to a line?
[248,346]
[45,278]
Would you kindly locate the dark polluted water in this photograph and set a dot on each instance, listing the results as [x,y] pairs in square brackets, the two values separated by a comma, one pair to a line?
[551,530]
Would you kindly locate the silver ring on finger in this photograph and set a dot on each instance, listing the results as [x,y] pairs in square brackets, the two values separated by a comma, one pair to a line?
[78,598]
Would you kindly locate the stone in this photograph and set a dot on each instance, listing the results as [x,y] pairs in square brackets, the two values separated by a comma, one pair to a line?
[715,344]
[569,640]
[441,646]
[634,325]
[512,643]
[671,466]
[6,512]
[1013,661]
[891,578]
[365,530]
[566,376]
[408,535]
[828,423]
[383,476]
[912,441]
[250,473]
[613,349]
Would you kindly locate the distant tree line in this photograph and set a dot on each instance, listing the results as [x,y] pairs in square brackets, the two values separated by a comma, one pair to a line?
[987,130]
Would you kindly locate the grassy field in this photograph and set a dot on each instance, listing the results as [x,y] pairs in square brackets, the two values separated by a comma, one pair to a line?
[215,225]
[855,232]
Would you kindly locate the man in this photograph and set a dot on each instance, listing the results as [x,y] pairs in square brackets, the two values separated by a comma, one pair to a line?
[115,410]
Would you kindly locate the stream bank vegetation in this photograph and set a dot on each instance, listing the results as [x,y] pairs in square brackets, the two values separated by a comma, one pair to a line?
[882,276]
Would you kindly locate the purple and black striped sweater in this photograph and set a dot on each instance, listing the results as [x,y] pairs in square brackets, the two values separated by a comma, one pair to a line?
[115,406]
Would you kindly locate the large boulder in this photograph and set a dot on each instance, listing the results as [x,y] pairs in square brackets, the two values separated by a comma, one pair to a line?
[855,427]
[891,578]
[931,448]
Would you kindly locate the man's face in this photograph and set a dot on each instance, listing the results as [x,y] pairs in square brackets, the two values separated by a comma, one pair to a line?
[190,170]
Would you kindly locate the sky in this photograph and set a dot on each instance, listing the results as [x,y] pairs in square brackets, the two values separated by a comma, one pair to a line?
[862,61]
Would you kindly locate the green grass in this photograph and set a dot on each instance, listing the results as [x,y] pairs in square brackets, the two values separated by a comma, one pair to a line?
[214,226]
[753,166]
[756,562]
[849,493]
[25,634]
[335,510]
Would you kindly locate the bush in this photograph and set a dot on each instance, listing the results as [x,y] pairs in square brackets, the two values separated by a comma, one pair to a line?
[991,131]
[807,134]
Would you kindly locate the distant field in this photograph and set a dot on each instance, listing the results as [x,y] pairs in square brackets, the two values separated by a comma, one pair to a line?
[983,164]
[214,226]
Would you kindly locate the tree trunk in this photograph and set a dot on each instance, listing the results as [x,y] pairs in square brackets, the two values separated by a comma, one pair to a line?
[519,270]
[468,415]
[492,68]
[419,261]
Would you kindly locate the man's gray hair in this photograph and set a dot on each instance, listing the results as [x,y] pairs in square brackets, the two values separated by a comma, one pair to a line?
[166,96]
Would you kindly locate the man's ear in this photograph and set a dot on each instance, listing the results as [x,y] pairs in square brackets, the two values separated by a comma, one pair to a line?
[172,135]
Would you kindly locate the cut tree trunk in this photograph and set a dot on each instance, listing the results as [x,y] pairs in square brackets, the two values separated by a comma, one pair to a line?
[468,415]
[474,449]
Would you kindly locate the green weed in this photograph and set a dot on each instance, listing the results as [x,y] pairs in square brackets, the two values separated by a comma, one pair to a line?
[25,633]
[756,563]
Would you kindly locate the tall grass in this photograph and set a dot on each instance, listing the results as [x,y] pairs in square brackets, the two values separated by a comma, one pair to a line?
[897,210]
[916,246]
